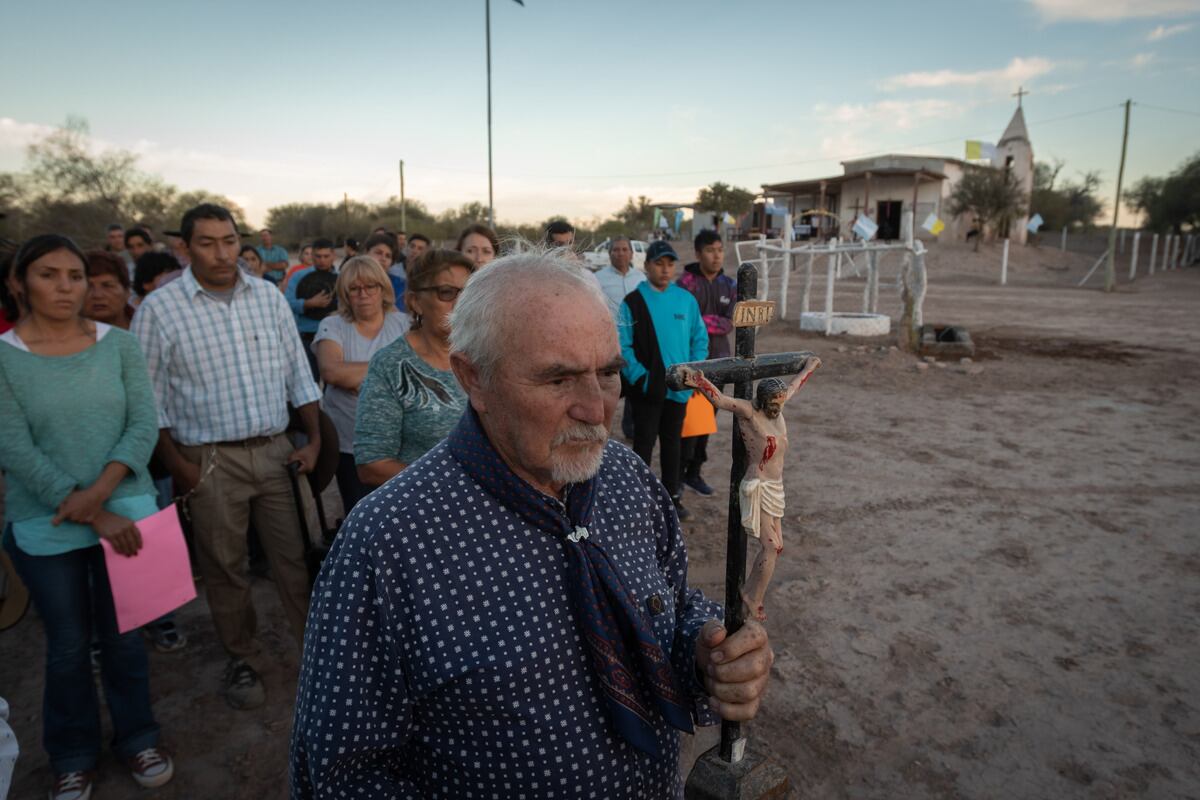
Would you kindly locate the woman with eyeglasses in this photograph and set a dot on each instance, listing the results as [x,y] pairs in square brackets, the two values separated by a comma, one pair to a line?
[410,399]
[367,321]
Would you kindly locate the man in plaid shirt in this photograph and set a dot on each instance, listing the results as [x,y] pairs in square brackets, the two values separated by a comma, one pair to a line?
[225,360]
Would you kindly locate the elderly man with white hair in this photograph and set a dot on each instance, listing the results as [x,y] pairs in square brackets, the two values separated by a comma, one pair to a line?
[510,615]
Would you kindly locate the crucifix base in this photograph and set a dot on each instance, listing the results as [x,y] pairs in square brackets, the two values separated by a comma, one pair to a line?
[754,777]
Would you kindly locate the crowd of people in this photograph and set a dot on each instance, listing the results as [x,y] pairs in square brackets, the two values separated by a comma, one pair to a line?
[197,370]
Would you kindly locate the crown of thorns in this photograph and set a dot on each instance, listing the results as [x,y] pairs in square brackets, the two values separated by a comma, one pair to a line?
[768,388]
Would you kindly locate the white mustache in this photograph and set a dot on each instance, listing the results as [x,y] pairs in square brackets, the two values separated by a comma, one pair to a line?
[581,433]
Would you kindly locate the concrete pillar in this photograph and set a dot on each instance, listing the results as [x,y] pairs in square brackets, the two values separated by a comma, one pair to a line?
[1153,252]
[1137,236]
[1064,239]
[831,276]
[808,279]
[1004,264]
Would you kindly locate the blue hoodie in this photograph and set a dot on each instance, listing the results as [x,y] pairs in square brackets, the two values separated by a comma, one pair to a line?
[682,336]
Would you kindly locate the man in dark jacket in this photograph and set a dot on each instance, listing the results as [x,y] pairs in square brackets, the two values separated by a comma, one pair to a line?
[716,293]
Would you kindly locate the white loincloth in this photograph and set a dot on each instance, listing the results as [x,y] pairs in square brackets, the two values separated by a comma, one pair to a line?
[760,495]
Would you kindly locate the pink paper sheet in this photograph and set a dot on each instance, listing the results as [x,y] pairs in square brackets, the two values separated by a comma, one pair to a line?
[158,579]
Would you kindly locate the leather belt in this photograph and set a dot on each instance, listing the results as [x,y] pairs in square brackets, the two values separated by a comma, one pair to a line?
[253,441]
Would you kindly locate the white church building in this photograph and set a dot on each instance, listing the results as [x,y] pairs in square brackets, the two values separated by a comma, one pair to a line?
[885,187]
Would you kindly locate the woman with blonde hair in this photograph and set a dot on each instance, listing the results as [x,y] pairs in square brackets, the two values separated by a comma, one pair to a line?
[366,322]
[410,399]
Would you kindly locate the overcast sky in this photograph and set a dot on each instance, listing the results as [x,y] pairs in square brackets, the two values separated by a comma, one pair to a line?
[270,102]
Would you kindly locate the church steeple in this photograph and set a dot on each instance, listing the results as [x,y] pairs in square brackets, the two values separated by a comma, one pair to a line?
[1016,130]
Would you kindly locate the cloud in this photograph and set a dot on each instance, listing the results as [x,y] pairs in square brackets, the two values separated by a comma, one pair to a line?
[1140,60]
[19,135]
[1107,10]
[1167,31]
[1019,70]
[899,114]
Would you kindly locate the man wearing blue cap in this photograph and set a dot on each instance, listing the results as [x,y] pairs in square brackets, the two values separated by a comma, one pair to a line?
[660,326]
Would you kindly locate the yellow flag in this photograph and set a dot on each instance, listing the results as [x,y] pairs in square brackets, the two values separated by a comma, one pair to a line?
[974,150]
[938,227]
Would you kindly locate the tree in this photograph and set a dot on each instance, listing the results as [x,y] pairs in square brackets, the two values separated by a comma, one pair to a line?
[992,197]
[63,166]
[1169,204]
[1072,204]
[722,197]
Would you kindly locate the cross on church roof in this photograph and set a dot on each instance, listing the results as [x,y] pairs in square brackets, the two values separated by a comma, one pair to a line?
[1019,94]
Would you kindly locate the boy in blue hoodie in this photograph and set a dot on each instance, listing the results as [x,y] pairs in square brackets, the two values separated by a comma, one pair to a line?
[660,325]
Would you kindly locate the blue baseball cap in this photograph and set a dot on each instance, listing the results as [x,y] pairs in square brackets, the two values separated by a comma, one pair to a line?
[657,250]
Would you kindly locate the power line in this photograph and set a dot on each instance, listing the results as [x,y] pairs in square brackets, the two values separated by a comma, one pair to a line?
[779,165]
[1170,110]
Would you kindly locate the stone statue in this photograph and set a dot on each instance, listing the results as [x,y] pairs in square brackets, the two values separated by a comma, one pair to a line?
[764,433]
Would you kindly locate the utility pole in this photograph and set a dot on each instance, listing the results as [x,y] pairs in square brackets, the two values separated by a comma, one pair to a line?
[346,211]
[403,210]
[1110,269]
[487,17]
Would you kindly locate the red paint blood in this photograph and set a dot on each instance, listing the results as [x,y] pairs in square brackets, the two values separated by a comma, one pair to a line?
[768,451]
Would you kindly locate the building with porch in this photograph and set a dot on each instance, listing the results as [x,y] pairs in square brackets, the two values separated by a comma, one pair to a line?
[885,187]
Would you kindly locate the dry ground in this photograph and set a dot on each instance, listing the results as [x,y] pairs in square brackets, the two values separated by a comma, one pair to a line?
[991,581]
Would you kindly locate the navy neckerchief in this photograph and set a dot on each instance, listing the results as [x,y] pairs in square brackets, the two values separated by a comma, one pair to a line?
[634,672]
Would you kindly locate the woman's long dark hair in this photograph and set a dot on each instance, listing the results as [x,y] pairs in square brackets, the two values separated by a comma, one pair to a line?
[8,303]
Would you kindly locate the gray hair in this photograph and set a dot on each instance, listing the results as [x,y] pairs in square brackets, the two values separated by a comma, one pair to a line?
[492,293]
[620,237]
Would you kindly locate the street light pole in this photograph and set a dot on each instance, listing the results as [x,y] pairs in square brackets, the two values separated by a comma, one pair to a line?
[403,210]
[1110,270]
[487,15]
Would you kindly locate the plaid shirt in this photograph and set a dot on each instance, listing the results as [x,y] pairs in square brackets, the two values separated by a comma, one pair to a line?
[223,371]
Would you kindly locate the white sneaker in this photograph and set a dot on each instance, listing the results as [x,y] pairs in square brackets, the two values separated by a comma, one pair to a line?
[152,767]
[72,786]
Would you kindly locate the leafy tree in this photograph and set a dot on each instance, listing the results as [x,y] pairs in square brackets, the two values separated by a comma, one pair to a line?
[63,166]
[1169,204]
[1071,204]
[722,197]
[992,197]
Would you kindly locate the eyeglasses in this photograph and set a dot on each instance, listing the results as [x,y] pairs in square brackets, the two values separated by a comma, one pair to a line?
[447,294]
[374,288]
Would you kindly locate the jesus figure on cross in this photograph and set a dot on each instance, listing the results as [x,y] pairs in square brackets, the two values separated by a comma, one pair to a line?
[764,433]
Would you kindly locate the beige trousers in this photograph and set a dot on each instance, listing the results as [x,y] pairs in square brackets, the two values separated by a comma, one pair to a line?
[248,482]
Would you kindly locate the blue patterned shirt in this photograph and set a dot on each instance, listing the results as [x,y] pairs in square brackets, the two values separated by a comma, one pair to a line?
[442,658]
[222,371]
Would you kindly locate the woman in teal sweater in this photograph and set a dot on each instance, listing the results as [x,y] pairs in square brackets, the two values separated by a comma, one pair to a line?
[78,424]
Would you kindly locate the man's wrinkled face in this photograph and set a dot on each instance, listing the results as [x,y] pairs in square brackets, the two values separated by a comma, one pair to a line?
[621,255]
[116,240]
[267,239]
[550,403]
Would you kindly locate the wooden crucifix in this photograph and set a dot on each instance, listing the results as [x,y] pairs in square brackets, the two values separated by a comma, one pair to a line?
[741,370]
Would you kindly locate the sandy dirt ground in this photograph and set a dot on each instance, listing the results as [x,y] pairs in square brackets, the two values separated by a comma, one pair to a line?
[990,586]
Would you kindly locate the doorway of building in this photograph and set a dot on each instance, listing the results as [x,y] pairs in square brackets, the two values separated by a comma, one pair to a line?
[888,218]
